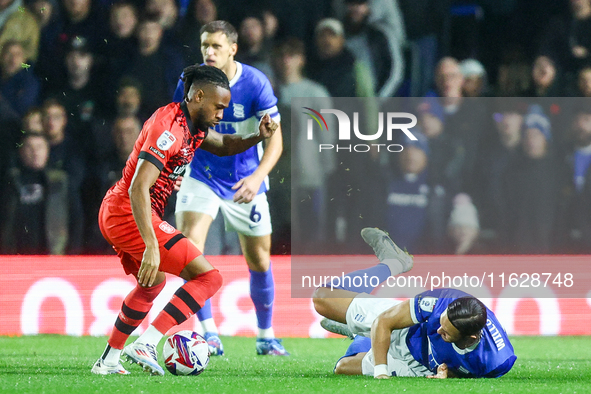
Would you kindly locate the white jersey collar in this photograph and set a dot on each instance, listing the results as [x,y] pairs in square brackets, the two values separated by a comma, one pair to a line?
[237,75]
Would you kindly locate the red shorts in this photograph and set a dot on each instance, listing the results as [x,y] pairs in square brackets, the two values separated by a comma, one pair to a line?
[120,230]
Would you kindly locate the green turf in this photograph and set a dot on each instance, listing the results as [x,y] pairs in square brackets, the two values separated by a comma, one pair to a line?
[58,364]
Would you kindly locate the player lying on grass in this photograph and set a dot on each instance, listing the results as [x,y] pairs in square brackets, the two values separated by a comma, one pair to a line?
[130,217]
[439,334]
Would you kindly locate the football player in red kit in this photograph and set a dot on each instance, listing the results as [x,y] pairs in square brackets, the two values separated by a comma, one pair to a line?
[130,217]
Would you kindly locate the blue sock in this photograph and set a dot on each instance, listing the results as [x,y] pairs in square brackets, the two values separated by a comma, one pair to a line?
[205,311]
[363,281]
[359,345]
[262,293]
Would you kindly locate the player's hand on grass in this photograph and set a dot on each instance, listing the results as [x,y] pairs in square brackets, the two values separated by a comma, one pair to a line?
[442,372]
[247,189]
[267,126]
[149,267]
[382,377]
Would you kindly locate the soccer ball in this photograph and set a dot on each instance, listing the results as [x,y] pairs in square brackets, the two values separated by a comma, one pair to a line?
[185,353]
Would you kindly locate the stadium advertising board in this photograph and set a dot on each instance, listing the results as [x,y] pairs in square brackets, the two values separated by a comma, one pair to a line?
[81,295]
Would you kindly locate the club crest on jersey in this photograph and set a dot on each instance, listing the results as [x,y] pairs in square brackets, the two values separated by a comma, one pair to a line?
[165,140]
[238,110]
[427,304]
[167,228]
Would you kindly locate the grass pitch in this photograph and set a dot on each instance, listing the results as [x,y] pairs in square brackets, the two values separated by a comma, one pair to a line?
[59,364]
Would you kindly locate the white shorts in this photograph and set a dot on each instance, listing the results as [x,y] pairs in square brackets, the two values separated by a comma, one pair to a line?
[251,219]
[362,311]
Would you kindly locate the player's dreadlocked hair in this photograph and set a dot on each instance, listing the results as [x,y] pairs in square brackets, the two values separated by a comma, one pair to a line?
[467,314]
[197,74]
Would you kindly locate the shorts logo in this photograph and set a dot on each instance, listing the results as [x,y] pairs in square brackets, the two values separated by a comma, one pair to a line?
[428,303]
[167,228]
[359,317]
[165,140]
[157,152]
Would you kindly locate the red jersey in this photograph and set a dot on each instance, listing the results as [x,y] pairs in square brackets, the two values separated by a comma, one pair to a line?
[168,140]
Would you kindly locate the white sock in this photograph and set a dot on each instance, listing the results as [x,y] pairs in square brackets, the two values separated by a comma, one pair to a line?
[111,356]
[395,266]
[266,333]
[209,325]
[151,336]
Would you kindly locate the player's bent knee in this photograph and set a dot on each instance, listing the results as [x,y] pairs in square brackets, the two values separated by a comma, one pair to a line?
[349,365]
[320,301]
[211,282]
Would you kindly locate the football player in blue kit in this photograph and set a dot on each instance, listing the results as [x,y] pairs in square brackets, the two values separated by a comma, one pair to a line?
[236,185]
[440,333]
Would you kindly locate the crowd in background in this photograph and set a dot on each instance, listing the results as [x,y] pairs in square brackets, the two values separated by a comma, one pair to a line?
[487,175]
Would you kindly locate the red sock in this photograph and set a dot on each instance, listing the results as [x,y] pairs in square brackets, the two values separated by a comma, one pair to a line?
[135,307]
[187,300]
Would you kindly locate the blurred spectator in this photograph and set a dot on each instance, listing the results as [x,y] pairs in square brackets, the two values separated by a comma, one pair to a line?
[47,14]
[271,24]
[121,41]
[254,49]
[166,12]
[350,190]
[35,206]
[311,168]
[531,189]
[18,84]
[81,19]
[155,66]
[81,94]
[584,82]
[65,154]
[496,159]
[475,81]
[378,47]
[106,170]
[447,154]
[545,79]
[199,13]
[385,13]
[568,39]
[333,58]
[84,18]
[574,228]
[465,118]
[18,24]
[33,121]
[463,227]
[408,197]
[513,74]
[128,100]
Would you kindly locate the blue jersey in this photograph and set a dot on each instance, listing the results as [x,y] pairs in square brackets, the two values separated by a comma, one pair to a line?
[491,357]
[252,98]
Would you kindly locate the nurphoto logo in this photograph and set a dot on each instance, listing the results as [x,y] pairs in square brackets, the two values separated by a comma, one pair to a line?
[344,130]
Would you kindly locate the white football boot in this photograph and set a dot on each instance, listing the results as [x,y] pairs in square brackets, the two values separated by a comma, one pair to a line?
[398,260]
[144,355]
[100,368]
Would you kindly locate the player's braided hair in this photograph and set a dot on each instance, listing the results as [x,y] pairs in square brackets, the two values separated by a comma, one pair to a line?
[199,75]
[468,315]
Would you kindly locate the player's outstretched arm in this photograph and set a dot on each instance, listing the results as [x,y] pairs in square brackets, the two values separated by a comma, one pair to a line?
[231,144]
[145,175]
[395,318]
[248,187]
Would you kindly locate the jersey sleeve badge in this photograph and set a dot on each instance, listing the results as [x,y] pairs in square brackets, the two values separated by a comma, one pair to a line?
[165,140]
